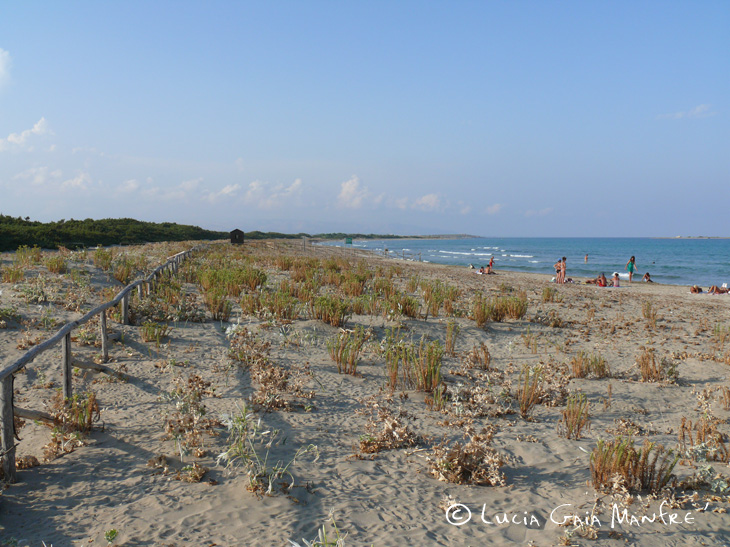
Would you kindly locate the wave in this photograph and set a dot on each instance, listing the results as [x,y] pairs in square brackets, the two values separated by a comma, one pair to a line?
[523,256]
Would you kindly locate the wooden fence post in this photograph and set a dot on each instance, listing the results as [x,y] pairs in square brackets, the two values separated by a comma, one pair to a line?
[67,372]
[125,309]
[104,338]
[8,428]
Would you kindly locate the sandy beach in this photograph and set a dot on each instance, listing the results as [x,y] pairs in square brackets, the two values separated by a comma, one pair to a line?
[369,456]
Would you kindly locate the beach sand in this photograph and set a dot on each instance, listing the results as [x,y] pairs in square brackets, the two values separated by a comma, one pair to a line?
[124,477]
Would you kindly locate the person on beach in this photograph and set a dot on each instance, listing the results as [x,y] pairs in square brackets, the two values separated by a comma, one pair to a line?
[491,262]
[694,289]
[717,290]
[647,278]
[586,259]
[600,280]
[615,279]
[631,266]
[558,268]
[562,270]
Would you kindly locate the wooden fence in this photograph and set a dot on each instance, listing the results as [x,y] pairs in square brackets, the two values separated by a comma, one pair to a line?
[7,376]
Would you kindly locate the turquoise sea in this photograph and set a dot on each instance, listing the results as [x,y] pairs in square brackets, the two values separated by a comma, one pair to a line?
[703,262]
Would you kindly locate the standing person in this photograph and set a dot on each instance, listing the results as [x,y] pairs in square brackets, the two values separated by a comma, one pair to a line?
[562,271]
[586,258]
[558,270]
[491,263]
[631,266]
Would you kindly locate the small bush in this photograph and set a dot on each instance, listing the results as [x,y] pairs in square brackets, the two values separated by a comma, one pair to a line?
[345,349]
[529,391]
[474,462]
[56,264]
[617,464]
[584,363]
[575,417]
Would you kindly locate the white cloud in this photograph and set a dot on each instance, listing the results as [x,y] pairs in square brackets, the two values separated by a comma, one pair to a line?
[401,203]
[228,191]
[5,63]
[540,213]
[79,182]
[494,209]
[20,140]
[182,191]
[429,202]
[265,195]
[464,209]
[700,111]
[39,176]
[128,187]
[351,195]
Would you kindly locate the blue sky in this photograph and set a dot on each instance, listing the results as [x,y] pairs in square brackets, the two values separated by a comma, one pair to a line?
[492,118]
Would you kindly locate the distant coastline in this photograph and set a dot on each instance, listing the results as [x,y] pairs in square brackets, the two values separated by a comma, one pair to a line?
[693,237]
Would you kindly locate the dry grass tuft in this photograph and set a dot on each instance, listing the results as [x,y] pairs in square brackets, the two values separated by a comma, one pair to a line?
[583,363]
[618,465]
[529,392]
[574,418]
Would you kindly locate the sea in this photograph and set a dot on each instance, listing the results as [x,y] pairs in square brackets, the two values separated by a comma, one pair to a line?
[672,261]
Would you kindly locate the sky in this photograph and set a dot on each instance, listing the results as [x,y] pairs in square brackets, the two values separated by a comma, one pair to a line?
[492,118]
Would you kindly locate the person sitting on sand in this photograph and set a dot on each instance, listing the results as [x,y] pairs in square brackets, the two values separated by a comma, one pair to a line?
[602,282]
[694,289]
[647,278]
[615,279]
[490,271]
[717,290]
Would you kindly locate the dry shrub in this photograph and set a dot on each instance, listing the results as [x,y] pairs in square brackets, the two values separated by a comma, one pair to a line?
[530,389]
[72,419]
[649,312]
[452,332]
[386,429]
[474,462]
[725,397]
[218,305]
[330,309]
[26,462]
[191,473]
[478,357]
[584,363]
[551,294]
[705,444]
[187,422]
[654,370]
[345,349]
[574,418]
[247,348]
[473,401]
[56,264]
[617,465]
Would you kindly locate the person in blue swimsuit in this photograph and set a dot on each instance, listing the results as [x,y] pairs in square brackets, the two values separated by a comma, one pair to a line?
[631,266]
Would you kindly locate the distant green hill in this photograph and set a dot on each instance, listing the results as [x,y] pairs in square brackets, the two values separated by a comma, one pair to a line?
[15,232]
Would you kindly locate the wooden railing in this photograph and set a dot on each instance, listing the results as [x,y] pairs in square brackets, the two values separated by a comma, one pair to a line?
[7,375]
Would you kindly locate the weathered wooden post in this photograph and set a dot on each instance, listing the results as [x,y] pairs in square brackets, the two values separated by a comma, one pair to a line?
[67,372]
[104,338]
[125,309]
[7,434]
